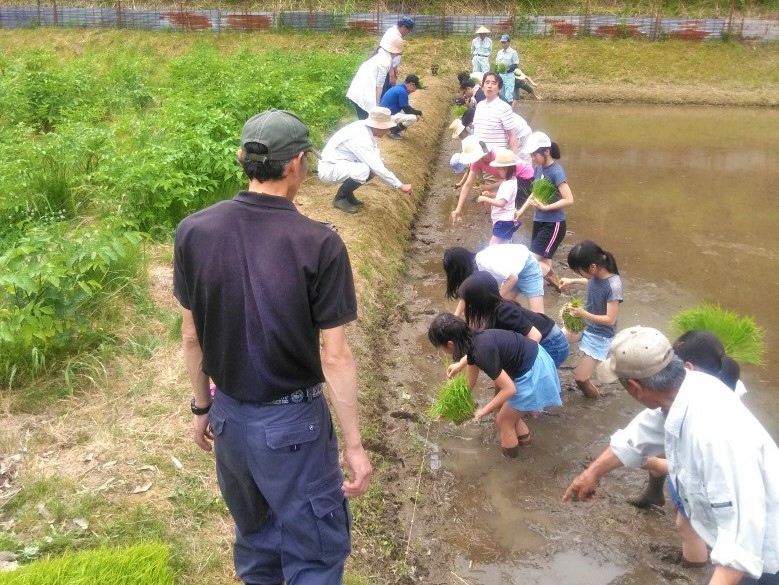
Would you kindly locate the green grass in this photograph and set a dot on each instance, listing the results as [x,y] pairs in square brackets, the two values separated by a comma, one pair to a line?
[742,338]
[141,564]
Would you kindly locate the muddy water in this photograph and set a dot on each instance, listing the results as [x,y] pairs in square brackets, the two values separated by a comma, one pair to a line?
[683,198]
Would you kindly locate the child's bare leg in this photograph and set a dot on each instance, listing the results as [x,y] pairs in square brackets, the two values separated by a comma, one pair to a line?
[582,374]
[694,549]
[507,421]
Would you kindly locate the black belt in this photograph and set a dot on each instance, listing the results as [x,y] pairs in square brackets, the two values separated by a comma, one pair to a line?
[306,395]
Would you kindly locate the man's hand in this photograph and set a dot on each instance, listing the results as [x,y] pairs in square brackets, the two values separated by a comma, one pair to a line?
[582,488]
[406,188]
[359,470]
[201,432]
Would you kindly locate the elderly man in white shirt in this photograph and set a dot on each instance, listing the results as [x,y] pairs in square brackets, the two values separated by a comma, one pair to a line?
[351,157]
[481,47]
[365,89]
[404,26]
[722,464]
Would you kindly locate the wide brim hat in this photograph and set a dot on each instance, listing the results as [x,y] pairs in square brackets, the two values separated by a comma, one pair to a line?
[380,118]
[535,141]
[482,30]
[505,158]
[518,74]
[393,45]
[472,150]
[457,128]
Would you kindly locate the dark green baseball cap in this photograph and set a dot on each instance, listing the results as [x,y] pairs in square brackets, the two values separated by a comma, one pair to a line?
[282,133]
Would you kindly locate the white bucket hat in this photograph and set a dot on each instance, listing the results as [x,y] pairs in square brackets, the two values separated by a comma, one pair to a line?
[535,141]
[380,118]
[482,30]
[472,150]
[505,158]
[457,128]
[393,45]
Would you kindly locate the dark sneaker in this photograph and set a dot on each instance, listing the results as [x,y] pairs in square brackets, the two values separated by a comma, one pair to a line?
[394,136]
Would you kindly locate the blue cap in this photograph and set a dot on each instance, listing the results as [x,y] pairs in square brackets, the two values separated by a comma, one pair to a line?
[455,163]
[406,21]
[505,38]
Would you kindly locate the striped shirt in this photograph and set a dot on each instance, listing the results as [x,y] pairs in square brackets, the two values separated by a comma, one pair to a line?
[492,121]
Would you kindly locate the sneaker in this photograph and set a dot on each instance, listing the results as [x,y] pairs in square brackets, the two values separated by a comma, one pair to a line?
[394,136]
[344,206]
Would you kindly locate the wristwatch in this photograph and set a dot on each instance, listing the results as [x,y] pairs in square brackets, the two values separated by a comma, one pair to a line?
[200,410]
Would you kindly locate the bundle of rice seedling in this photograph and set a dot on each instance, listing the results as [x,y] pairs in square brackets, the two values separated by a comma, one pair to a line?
[573,324]
[454,401]
[543,190]
[741,337]
[458,111]
[501,67]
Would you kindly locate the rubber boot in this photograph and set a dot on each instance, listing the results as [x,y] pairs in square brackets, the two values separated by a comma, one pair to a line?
[552,279]
[652,494]
[588,389]
[511,452]
[350,185]
[341,200]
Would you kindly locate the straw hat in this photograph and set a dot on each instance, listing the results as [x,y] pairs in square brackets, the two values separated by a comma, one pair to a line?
[380,118]
[518,74]
[472,150]
[457,128]
[393,45]
[482,30]
[504,158]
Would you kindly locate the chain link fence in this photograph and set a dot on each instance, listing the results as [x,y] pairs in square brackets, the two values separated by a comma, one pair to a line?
[246,16]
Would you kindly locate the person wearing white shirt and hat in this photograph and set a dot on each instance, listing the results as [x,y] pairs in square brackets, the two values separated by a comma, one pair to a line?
[351,157]
[365,89]
[508,57]
[404,26]
[723,464]
[481,47]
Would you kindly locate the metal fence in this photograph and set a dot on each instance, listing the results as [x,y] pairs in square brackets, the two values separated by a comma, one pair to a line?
[235,18]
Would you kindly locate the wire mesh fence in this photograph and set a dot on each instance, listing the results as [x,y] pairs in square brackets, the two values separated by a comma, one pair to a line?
[246,16]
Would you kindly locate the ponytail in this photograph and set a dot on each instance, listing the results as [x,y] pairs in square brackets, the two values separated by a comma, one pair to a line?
[554,151]
[587,252]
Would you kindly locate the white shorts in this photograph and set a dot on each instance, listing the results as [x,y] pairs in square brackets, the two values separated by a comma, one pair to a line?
[404,119]
[341,170]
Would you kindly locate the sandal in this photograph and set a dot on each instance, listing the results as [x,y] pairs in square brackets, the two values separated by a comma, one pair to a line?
[525,440]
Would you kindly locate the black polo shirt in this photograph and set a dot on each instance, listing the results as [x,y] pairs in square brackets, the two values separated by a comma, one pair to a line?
[261,281]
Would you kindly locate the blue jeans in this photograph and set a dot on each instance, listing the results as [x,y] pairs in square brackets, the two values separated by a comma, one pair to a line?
[556,345]
[279,474]
[765,579]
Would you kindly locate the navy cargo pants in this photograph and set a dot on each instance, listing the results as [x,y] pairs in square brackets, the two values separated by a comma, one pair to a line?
[279,474]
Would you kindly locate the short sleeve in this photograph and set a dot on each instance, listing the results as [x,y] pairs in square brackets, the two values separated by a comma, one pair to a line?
[512,318]
[558,176]
[487,358]
[333,298]
[180,285]
[615,289]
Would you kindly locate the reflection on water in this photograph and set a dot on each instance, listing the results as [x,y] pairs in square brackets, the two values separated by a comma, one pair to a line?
[685,198]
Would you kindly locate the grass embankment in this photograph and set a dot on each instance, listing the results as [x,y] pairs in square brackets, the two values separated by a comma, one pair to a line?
[116,451]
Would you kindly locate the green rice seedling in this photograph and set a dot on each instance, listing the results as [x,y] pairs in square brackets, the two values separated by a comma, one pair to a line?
[573,324]
[454,401]
[458,111]
[543,190]
[142,564]
[742,338]
[501,67]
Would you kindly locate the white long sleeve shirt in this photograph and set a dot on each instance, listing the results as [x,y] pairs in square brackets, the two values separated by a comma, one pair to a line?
[369,77]
[356,143]
[481,47]
[725,467]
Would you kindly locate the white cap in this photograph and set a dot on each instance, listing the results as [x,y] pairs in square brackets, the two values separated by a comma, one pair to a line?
[636,353]
[535,141]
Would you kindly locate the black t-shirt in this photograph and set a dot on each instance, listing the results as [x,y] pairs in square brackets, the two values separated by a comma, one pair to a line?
[261,281]
[513,317]
[497,349]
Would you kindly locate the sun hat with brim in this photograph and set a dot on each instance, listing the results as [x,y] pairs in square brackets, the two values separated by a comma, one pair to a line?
[535,141]
[504,158]
[636,353]
[472,150]
[482,30]
[518,74]
[380,118]
[393,45]
[505,38]
[457,128]
[280,135]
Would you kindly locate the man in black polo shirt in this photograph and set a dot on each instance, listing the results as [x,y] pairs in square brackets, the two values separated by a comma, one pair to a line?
[258,283]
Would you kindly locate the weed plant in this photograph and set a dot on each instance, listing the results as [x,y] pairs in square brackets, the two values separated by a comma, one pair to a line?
[740,335]
[571,323]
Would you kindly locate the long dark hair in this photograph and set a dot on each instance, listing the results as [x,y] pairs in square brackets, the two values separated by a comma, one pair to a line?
[554,151]
[445,328]
[481,296]
[705,351]
[587,252]
[458,265]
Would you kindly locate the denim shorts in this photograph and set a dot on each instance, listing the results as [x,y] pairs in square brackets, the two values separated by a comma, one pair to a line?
[504,229]
[556,345]
[594,345]
[531,280]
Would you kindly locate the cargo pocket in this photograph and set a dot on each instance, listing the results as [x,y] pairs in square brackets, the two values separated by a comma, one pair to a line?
[333,516]
[290,436]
